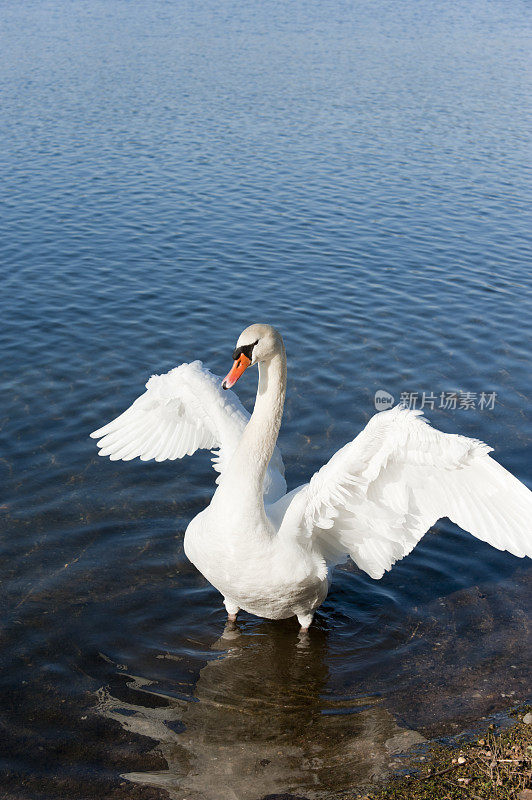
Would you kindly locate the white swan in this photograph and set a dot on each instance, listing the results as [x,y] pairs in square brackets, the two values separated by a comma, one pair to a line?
[271,553]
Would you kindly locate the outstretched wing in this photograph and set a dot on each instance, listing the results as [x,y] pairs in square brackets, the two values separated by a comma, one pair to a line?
[180,412]
[380,493]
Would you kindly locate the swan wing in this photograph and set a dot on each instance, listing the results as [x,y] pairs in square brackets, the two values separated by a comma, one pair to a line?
[180,412]
[378,495]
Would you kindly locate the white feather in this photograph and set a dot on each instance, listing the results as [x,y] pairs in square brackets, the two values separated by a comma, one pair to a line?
[180,412]
[269,552]
[378,495]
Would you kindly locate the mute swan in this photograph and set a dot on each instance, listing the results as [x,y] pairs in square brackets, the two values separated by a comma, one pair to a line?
[271,553]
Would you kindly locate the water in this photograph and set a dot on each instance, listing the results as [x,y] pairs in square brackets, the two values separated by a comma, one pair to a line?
[354,173]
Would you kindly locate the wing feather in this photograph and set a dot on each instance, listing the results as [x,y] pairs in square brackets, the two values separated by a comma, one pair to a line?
[180,412]
[378,495]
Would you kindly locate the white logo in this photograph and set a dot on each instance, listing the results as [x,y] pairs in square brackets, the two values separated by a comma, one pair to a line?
[383,400]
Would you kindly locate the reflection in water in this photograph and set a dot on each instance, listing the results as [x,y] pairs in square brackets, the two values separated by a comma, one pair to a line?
[260,723]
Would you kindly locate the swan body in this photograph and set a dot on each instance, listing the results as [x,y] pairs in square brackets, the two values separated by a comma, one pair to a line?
[271,553]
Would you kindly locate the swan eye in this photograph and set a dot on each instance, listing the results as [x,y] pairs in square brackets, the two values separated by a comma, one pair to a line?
[246,350]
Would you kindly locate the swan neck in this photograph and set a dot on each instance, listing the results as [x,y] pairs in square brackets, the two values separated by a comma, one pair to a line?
[260,436]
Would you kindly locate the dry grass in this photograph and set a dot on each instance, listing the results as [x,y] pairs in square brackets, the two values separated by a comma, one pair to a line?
[498,766]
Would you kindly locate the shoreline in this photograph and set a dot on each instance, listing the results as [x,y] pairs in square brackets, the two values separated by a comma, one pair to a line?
[491,761]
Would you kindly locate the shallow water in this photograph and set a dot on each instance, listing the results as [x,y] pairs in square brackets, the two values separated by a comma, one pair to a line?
[356,174]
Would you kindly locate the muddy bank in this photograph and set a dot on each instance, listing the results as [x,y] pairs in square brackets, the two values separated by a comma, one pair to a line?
[493,763]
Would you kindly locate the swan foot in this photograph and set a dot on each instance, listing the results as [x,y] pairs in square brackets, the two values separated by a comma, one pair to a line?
[305,620]
[231,608]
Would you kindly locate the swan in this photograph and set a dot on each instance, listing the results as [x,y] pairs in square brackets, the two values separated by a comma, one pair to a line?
[270,552]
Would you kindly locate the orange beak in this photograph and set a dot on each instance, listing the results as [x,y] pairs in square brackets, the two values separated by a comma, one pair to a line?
[240,365]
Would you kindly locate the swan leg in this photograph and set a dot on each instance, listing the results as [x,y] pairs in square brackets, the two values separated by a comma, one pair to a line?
[305,620]
[231,608]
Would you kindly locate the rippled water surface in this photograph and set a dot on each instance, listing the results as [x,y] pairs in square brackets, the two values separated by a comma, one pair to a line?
[354,173]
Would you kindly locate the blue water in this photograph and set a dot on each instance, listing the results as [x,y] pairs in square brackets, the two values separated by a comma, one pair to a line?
[356,174]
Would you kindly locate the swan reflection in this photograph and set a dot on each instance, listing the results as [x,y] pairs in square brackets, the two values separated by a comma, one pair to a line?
[261,722]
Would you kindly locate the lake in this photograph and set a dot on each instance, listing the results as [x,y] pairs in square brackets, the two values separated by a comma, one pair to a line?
[356,174]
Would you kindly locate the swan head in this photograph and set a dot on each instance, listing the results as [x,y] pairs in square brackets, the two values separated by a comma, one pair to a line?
[256,343]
